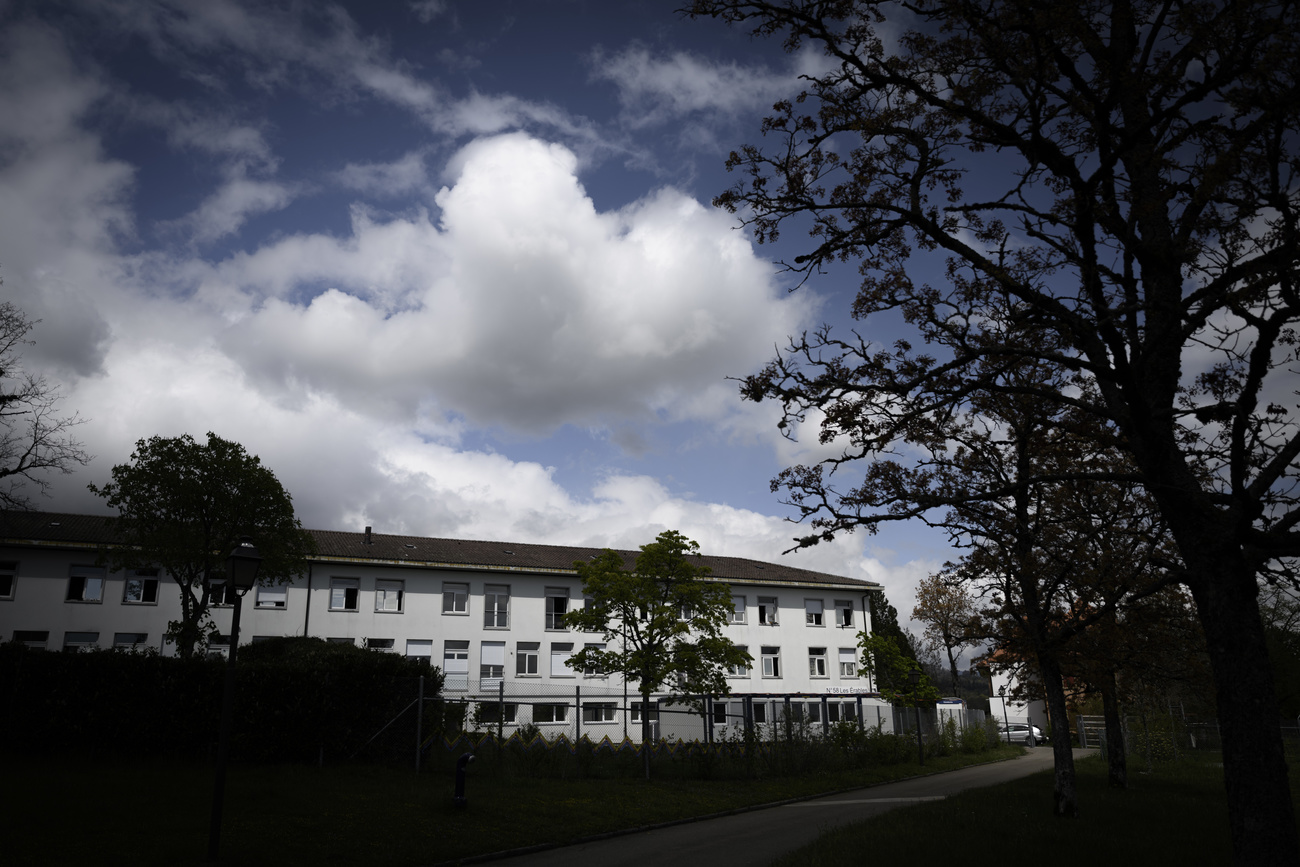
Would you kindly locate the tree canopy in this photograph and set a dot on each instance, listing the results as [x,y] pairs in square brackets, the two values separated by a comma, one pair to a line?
[1113,186]
[183,506]
[34,438]
[663,619]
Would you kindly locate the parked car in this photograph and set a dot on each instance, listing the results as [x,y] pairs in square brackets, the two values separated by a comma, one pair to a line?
[1021,733]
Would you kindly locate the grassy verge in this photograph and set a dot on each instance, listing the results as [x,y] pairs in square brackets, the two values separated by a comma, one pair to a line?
[142,814]
[1175,815]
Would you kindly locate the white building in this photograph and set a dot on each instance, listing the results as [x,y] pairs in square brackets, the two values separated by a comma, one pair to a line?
[487,613]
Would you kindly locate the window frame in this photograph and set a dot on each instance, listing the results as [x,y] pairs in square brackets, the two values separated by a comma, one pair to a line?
[739,612]
[769,611]
[817,655]
[742,670]
[852,662]
[558,712]
[449,587]
[130,645]
[558,649]
[525,650]
[594,671]
[598,712]
[8,579]
[384,589]
[266,601]
[484,676]
[346,584]
[770,654]
[85,640]
[492,607]
[815,618]
[84,575]
[147,579]
[844,613]
[553,616]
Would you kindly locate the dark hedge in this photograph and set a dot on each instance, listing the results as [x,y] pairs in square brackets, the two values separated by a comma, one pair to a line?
[297,700]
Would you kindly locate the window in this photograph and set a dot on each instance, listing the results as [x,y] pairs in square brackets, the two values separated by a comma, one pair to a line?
[740,670]
[86,584]
[737,609]
[719,713]
[344,593]
[75,641]
[844,613]
[141,587]
[8,577]
[492,664]
[376,643]
[273,597]
[816,662]
[814,711]
[420,648]
[812,612]
[767,610]
[760,712]
[526,658]
[593,670]
[557,605]
[490,713]
[130,639]
[550,713]
[636,711]
[217,594]
[771,657]
[848,662]
[685,611]
[595,712]
[389,596]
[560,654]
[455,664]
[455,598]
[339,641]
[33,638]
[496,606]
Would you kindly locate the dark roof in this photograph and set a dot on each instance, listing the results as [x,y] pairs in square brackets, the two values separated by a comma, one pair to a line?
[52,528]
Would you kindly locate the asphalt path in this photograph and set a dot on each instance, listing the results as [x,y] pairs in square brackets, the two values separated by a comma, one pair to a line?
[760,836]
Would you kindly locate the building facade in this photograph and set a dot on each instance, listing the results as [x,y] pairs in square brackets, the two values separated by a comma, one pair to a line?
[489,614]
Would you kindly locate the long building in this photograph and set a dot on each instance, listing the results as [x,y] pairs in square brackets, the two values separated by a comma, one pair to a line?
[488,613]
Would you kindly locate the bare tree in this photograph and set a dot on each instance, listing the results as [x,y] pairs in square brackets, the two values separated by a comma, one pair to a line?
[34,438]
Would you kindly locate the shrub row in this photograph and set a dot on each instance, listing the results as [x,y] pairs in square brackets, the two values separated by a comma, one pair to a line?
[297,700]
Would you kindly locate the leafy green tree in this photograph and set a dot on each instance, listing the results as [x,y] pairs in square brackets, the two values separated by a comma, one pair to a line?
[184,505]
[1121,176]
[662,622]
[890,670]
[34,438]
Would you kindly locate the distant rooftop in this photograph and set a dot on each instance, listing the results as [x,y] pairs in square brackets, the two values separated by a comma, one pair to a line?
[54,528]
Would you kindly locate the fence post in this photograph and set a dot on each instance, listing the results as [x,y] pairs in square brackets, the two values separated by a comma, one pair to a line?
[501,711]
[826,719]
[419,722]
[707,706]
[577,716]
[789,723]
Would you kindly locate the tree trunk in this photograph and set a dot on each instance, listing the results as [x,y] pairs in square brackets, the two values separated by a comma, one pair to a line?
[645,731]
[1116,758]
[1260,810]
[952,667]
[1065,792]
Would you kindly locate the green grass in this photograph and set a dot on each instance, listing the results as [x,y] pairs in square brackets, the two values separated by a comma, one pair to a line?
[1175,815]
[151,813]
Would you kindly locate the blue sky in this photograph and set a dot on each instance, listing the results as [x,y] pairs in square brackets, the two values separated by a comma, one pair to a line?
[448,268]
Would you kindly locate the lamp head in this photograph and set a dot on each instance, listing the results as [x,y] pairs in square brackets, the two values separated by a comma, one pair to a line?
[243,563]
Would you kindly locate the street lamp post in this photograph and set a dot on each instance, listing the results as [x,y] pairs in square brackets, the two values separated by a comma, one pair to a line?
[1006,725]
[241,573]
[914,678]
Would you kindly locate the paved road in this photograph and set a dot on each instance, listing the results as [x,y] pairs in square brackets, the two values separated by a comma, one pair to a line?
[760,836]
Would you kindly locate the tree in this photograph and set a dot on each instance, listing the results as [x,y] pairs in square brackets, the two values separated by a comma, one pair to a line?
[667,620]
[1121,176]
[184,505]
[948,612]
[890,671]
[34,439]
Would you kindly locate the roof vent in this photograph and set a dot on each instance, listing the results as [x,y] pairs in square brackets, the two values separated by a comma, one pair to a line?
[504,551]
[409,545]
[368,540]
